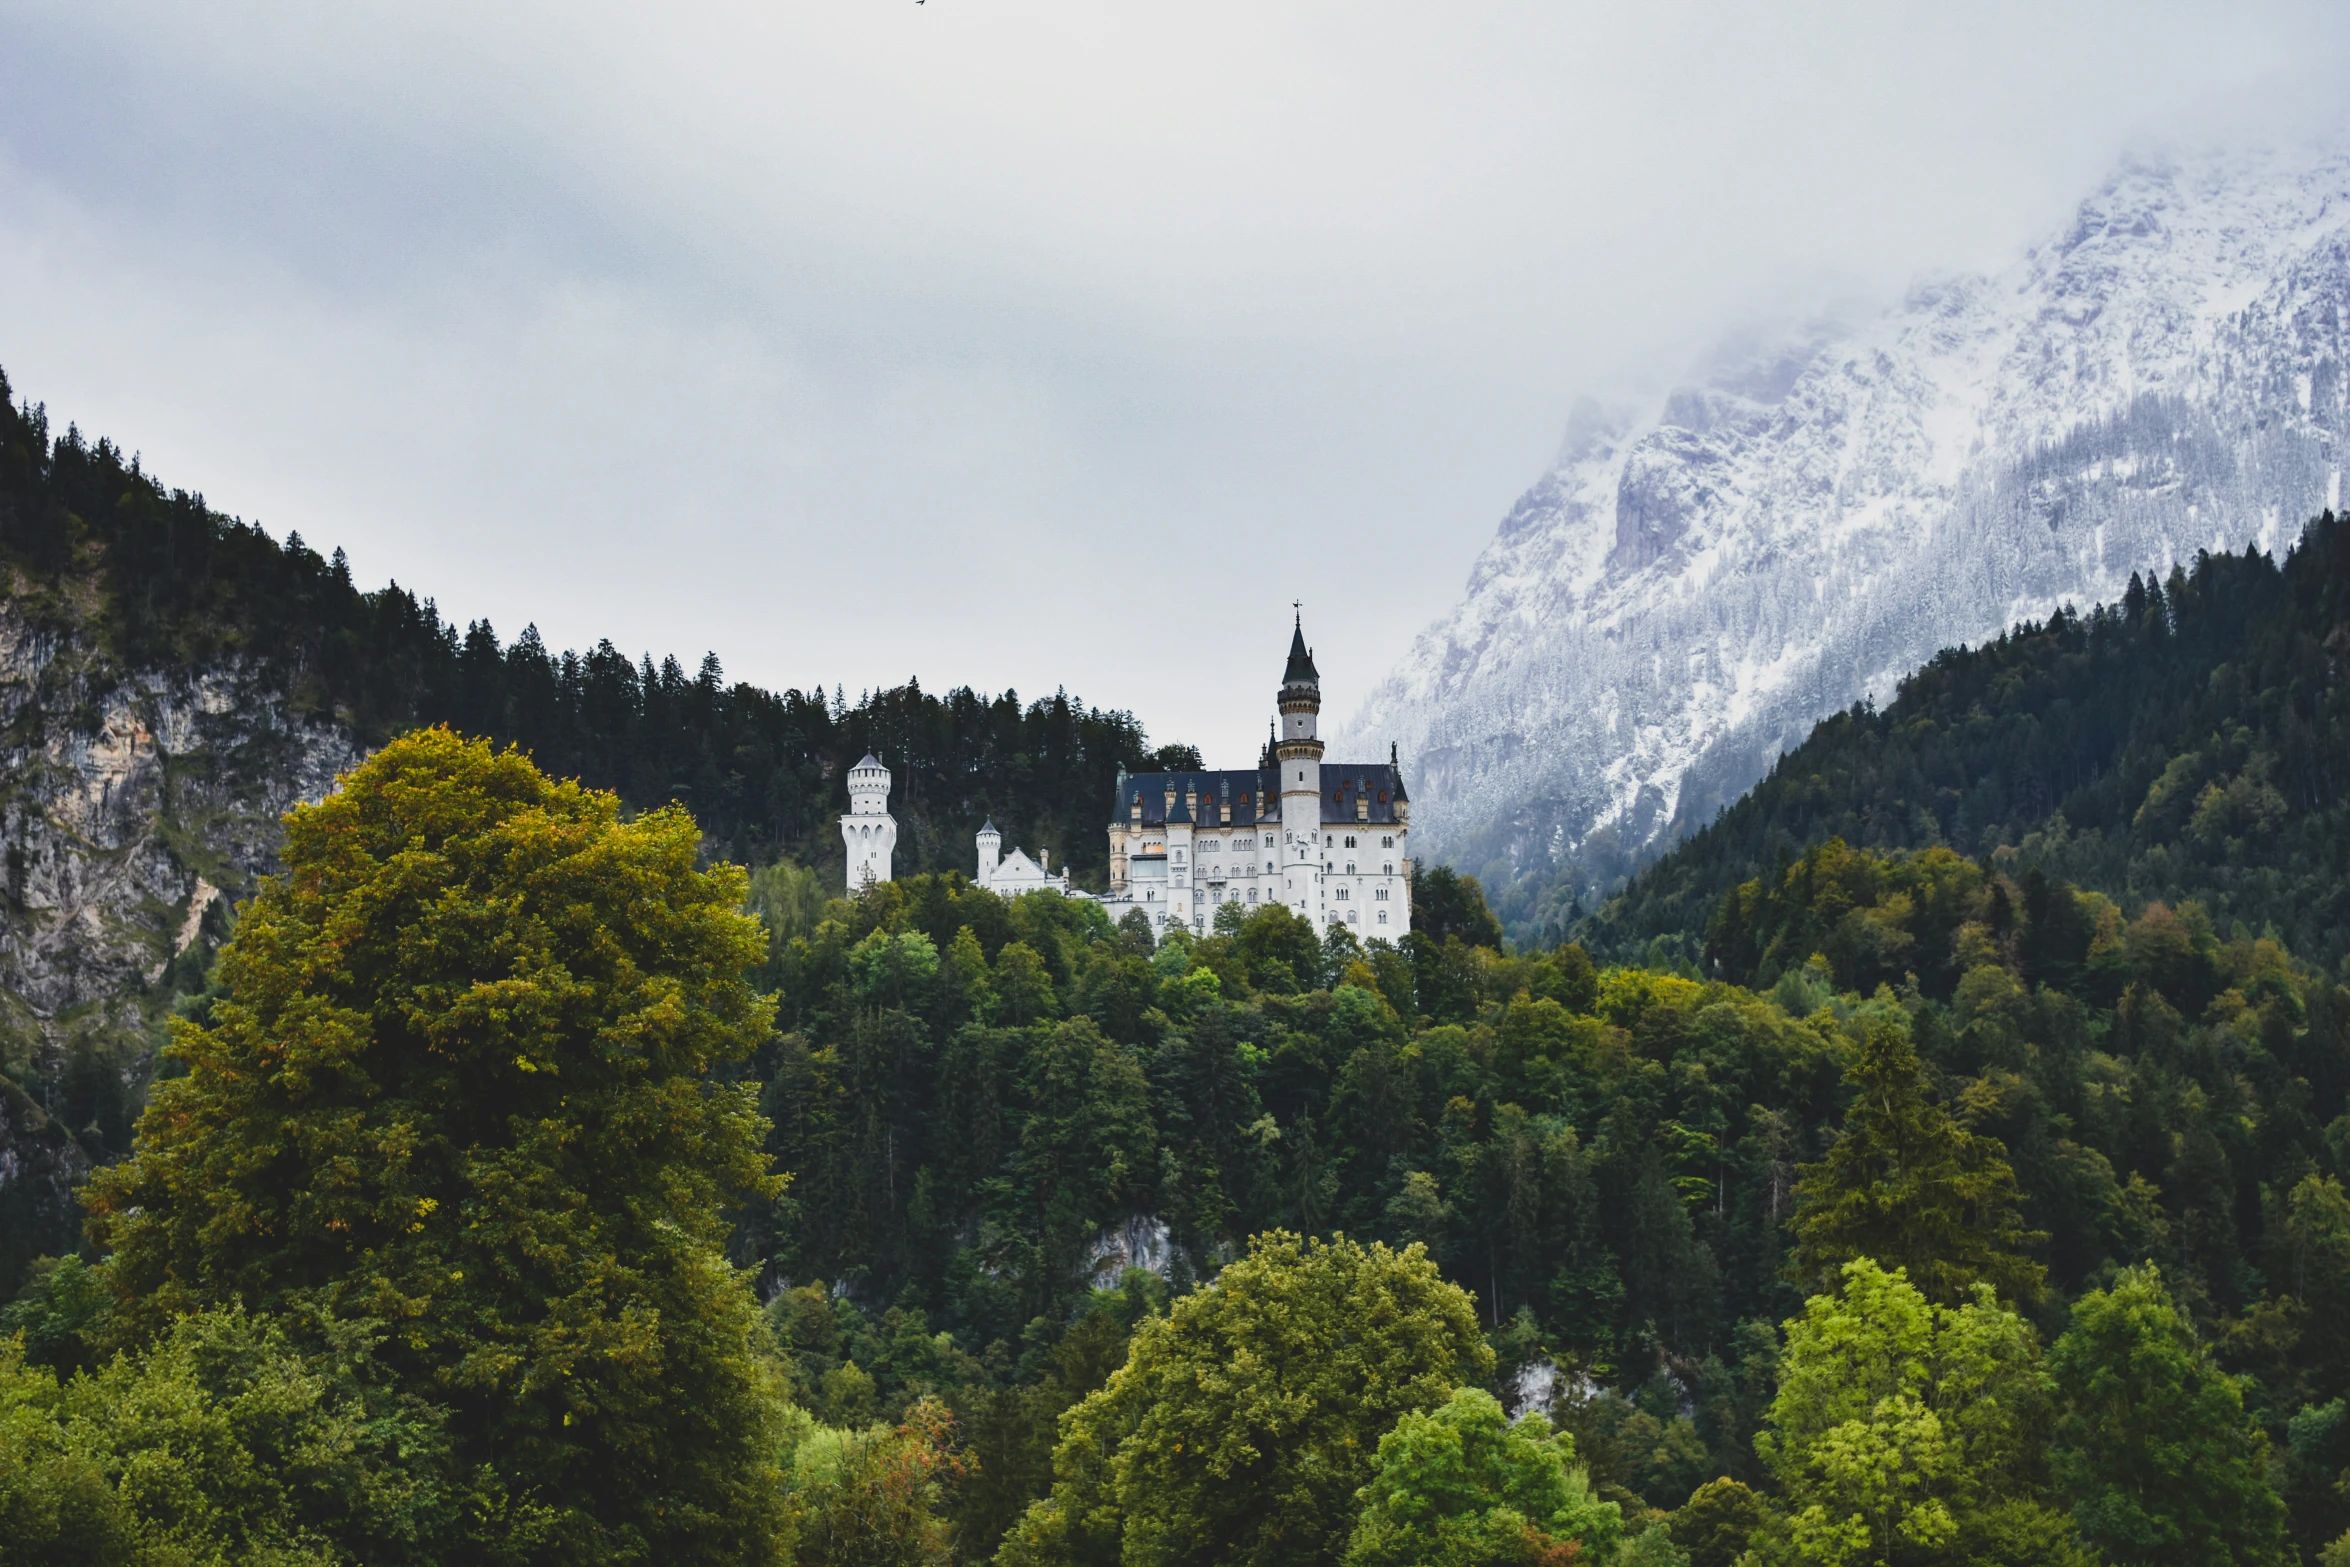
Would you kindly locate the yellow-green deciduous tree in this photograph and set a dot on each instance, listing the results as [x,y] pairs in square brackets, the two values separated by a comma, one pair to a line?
[1244,1422]
[2154,1449]
[1465,1486]
[222,1443]
[461,1089]
[1906,1432]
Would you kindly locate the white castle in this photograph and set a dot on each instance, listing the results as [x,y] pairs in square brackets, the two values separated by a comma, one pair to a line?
[868,829]
[1327,839]
[1009,875]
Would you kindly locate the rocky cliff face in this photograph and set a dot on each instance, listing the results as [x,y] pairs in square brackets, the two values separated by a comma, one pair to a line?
[1698,580]
[133,806]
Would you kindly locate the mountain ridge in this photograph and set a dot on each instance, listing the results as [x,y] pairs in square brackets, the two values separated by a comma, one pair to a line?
[1699,578]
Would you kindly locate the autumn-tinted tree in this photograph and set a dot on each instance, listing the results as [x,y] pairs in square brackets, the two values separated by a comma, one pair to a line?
[460,1089]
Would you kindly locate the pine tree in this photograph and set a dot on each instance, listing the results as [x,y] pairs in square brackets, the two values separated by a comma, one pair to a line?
[1909,1186]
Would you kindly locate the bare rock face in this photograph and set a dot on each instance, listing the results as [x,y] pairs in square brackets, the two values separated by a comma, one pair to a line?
[133,807]
[1702,577]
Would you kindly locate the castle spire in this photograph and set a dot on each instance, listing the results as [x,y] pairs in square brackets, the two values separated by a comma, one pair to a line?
[1301,669]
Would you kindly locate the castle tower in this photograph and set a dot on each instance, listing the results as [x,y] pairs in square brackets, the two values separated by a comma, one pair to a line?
[868,830]
[991,851]
[1298,754]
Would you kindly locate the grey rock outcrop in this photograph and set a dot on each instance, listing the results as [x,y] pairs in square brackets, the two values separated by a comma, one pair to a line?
[133,805]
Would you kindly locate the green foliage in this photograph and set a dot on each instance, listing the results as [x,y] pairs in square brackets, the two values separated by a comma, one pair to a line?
[1905,1430]
[177,584]
[223,1443]
[1718,1522]
[789,899]
[1910,1187]
[872,1497]
[460,1089]
[62,1312]
[2154,1450]
[1447,904]
[1464,1486]
[2176,746]
[1244,1422]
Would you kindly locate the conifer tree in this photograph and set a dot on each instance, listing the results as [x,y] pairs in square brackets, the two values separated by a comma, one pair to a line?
[1909,1186]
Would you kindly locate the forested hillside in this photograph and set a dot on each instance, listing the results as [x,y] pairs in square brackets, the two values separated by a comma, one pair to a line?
[1634,1175]
[513,1197]
[168,583]
[172,680]
[2189,742]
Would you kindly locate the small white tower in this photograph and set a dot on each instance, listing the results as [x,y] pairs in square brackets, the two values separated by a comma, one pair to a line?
[868,829]
[991,851]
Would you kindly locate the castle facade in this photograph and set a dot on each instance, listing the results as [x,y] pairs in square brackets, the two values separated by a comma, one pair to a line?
[1330,840]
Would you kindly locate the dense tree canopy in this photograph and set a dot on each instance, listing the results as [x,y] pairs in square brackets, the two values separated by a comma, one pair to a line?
[180,586]
[463,1235]
[1463,1485]
[1910,1188]
[459,1089]
[1906,1431]
[2185,743]
[2154,1448]
[1244,1422]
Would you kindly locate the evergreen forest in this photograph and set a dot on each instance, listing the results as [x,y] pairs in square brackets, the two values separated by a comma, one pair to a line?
[1922,1167]
[2191,742]
[179,586]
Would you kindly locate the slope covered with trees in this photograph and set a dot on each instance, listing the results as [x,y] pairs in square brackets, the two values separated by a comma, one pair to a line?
[2190,742]
[166,582]
[519,1199]
[1092,1248]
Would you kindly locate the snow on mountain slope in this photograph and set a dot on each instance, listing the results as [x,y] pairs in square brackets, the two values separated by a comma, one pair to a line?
[1697,581]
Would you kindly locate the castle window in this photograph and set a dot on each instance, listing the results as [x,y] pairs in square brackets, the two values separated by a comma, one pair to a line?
[1352,917]
[1382,797]
[1387,842]
[1379,895]
[1350,867]
[1342,894]
[1382,916]
[1268,840]
[1391,867]
[1252,895]
[1350,840]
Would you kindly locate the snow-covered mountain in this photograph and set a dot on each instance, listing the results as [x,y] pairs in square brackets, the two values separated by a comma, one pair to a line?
[1698,580]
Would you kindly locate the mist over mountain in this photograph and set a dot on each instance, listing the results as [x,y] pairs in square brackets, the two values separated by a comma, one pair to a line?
[1808,517]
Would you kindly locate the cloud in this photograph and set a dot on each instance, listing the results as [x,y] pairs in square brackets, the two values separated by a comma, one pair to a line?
[1010,343]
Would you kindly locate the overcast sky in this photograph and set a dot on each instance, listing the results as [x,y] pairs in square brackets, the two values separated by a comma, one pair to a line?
[994,342]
